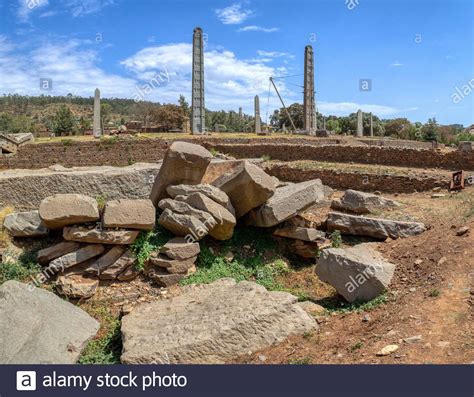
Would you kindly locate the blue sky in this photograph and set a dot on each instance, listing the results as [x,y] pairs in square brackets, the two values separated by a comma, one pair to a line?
[418,53]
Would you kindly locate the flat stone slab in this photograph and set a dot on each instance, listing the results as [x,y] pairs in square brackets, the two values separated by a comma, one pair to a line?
[38,327]
[185,225]
[25,224]
[179,248]
[119,266]
[75,258]
[98,235]
[357,273]
[372,227]
[211,324]
[129,214]
[48,254]
[362,203]
[300,233]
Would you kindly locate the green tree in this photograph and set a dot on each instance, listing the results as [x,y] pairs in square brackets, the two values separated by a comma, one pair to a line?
[184,105]
[63,121]
[430,130]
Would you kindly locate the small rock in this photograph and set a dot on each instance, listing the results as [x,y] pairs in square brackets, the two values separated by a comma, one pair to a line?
[442,260]
[418,261]
[366,318]
[438,195]
[387,350]
[443,344]
[413,339]
[312,308]
[25,224]
[462,231]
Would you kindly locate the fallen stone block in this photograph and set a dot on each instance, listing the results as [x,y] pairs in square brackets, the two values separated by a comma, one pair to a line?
[312,308]
[74,258]
[173,265]
[106,260]
[359,273]
[247,186]
[25,224]
[184,163]
[183,225]
[287,202]
[162,277]
[178,248]
[372,227]
[180,207]
[68,209]
[362,203]
[129,274]
[129,214]
[77,286]
[211,324]
[300,233]
[46,255]
[119,266]
[97,235]
[37,327]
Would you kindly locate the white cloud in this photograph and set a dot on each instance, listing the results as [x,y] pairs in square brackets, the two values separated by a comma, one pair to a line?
[85,7]
[274,54]
[345,108]
[397,64]
[234,14]
[26,7]
[254,28]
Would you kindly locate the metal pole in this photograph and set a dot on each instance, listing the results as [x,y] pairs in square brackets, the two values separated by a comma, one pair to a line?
[283,103]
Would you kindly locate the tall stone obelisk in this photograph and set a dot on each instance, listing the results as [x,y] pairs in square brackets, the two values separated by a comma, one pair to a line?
[308,100]
[258,129]
[97,130]
[371,125]
[360,124]
[198,115]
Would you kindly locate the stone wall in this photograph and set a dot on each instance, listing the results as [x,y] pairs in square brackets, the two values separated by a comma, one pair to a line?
[129,151]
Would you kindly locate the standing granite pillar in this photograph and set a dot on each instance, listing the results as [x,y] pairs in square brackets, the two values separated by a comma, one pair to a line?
[308,100]
[258,129]
[198,115]
[371,125]
[360,124]
[97,130]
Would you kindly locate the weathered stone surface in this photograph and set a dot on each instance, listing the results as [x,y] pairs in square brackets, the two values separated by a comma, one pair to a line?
[130,214]
[219,167]
[46,255]
[178,248]
[184,163]
[162,277]
[372,227]
[225,221]
[37,327]
[25,189]
[312,308]
[357,273]
[211,324]
[183,225]
[68,209]
[362,203]
[77,286]
[247,186]
[96,235]
[300,233]
[126,260]
[129,274]
[74,258]
[25,224]
[208,190]
[180,207]
[173,265]
[106,260]
[287,202]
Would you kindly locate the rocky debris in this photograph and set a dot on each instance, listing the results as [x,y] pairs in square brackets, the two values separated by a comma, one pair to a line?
[362,203]
[173,265]
[180,207]
[178,248]
[286,202]
[372,227]
[68,209]
[211,324]
[312,308]
[106,260]
[74,258]
[300,233]
[219,167]
[247,186]
[46,255]
[225,221]
[164,278]
[97,235]
[25,224]
[129,274]
[387,350]
[77,286]
[184,225]
[130,214]
[37,327]
[462,231]
[119,266]
[184,163]
[305,249]
[413,339]
[357,273]
[209,191]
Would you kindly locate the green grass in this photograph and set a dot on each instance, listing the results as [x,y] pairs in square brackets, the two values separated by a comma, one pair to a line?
[356,346]
[147,242]
[21,270]
[434,293]
[340,306]
[300,361]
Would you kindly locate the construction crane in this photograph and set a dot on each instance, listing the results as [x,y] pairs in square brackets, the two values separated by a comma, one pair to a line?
[283,103]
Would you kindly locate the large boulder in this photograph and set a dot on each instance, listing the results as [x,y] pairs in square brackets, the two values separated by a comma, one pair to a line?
[184,163]
[211,324]
[358,273]
[184,225]
[225,221]
[372,227]
[362,203]
[68,209]
[25,224]
[130,214]
[287,202]
[37,327]
[208,190]
[180,207]
[247,186]
[97,235]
